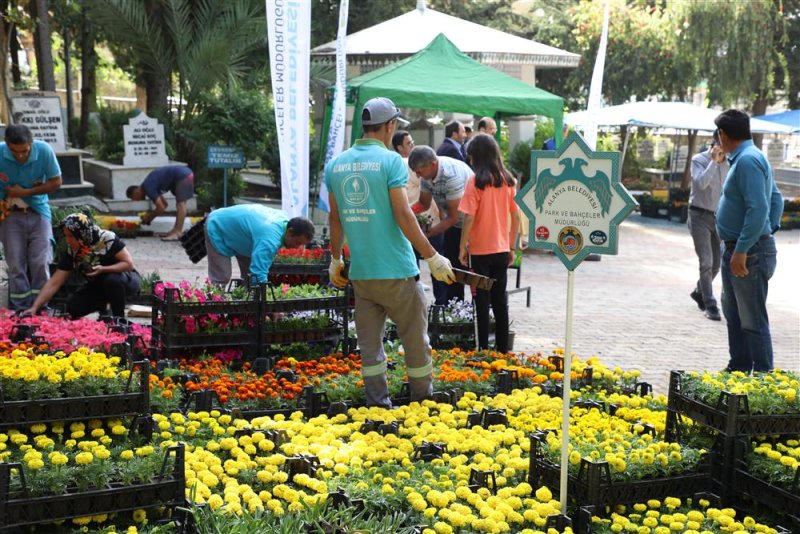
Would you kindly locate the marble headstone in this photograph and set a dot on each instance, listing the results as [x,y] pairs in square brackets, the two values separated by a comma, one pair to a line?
[144,142]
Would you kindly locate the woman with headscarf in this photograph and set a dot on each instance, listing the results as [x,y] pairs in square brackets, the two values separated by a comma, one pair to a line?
[102,258]
[489,234]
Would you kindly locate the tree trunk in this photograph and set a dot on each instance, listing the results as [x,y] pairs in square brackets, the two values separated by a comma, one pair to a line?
[88,76]
[687,170]
[157,89]
[157,85]
[759,108]
[42,45]
[68,83]
[16,75]
[4,34]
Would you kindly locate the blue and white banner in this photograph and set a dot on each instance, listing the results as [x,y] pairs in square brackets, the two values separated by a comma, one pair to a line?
[338,126]
[289,38]
[596,87]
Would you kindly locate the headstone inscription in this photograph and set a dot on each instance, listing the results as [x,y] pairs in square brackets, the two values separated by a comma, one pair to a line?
[144,142]
[41,112]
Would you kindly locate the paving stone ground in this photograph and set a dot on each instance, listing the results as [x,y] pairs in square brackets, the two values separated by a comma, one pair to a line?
[632,310]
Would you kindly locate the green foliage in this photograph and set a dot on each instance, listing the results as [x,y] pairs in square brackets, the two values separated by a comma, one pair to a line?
[317,519]
[207,44]
[519,159]
[738,47]
[238,117]
[108,140]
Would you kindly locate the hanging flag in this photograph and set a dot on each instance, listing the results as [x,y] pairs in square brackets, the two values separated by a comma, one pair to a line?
[596,87]
[289,39]
[338,125]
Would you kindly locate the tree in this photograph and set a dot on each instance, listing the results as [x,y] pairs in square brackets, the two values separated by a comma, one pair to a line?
[362,14]
[738,47]
[641,54]
[203,44]
[791,49]
[42,45]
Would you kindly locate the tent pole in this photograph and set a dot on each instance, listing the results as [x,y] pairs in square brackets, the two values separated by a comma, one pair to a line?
[673,164]
[323,146]
[624,148]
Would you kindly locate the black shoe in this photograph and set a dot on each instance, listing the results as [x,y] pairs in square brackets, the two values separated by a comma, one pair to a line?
[698,298]
[713,313]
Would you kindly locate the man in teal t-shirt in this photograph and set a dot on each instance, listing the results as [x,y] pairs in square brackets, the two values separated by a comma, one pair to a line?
[253,233]
[29,171]
[367,194]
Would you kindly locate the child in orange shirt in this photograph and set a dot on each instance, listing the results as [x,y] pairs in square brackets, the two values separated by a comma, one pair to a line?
[489,233]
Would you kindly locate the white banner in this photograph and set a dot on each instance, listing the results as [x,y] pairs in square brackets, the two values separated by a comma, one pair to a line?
[338,126]
[596,87]
[289,35]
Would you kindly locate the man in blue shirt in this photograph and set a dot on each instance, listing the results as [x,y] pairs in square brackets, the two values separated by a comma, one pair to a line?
[177,179]
[28,172]
[367,194]
[749,213]
[253,233]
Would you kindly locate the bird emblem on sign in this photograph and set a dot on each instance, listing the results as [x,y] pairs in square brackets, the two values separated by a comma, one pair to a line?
[599,183]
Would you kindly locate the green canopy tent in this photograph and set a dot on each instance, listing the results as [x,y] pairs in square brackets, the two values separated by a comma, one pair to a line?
[441,77]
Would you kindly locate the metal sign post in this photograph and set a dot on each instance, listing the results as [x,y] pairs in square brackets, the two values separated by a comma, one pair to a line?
[225,157]
[575,202]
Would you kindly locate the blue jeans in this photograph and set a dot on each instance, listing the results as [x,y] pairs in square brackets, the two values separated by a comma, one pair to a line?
[744,304]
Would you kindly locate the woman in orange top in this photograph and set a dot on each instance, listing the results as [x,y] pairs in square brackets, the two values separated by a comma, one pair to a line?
[489,233]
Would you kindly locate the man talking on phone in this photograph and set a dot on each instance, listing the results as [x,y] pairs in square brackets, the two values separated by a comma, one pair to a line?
[709,169]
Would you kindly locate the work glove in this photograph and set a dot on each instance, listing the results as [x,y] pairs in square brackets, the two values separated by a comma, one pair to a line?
[441,269]
[335,272]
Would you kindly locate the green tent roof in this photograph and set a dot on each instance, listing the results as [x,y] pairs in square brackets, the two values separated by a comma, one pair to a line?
[443,78]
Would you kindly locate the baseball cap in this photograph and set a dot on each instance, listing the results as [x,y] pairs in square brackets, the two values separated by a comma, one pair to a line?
[378,110]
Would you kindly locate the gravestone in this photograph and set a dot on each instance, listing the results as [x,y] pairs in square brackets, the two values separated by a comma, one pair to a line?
[41,112]
[645,150]
[662,147]
[680,164]
[144,142]
[776,152]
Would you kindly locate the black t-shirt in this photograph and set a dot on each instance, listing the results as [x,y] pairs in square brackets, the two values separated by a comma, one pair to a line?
[103,254]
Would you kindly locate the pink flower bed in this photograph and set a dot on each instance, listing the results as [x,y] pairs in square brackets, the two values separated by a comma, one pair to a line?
[64,334]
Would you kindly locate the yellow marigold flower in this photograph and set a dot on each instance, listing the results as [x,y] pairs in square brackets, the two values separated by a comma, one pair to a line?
[654,504]
[35,464]
[139,516]
[57,458]
[84,458]
[215,501]
[544,494]
[694,515]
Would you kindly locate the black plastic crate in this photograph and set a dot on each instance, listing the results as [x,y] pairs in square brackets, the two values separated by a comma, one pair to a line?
[333,333]
[131,403]
[731,414]
[335,302]
[167,489]
[593,485]
[169,334]
[193,241]
[777,500]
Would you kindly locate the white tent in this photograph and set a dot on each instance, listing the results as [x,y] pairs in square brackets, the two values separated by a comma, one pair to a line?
[677,115]
[407,34]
